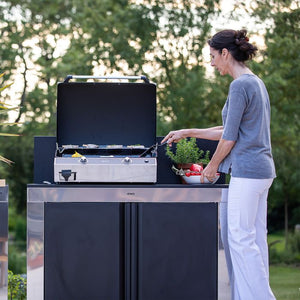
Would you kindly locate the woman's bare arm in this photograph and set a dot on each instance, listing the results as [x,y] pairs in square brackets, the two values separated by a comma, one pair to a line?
[212,133]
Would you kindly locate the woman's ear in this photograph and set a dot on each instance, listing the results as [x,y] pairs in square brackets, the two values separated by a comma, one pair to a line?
[225,52]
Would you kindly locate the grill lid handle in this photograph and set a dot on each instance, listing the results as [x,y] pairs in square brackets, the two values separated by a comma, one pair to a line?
[142,77]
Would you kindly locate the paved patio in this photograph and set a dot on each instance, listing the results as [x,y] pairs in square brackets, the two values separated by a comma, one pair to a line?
[223,280]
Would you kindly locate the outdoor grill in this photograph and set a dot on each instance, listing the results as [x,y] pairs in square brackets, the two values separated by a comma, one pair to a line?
[106,131]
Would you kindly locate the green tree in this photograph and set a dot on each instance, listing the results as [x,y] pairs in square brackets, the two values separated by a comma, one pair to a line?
[4,109]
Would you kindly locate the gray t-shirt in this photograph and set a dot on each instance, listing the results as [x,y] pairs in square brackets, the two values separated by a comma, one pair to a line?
[246,120]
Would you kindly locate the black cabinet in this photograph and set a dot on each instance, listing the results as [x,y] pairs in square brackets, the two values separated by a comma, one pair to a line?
[130,251]
[176,251]
[84,255]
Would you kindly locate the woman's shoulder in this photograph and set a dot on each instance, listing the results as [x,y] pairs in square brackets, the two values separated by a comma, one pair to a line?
[245,81]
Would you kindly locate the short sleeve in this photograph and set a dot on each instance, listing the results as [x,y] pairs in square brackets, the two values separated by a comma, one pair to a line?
[237,103]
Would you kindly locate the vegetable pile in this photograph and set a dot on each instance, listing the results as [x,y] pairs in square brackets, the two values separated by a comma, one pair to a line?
[195,169]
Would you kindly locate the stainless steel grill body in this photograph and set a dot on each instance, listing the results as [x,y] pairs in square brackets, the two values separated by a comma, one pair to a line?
[105,169]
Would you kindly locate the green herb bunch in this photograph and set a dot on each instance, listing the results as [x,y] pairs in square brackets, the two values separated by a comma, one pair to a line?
[187,151]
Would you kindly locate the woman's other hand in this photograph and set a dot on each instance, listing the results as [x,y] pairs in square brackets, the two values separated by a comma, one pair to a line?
[174,136]
[209,172]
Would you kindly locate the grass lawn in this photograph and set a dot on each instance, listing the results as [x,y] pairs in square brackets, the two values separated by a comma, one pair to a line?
[284,279]
[285,282]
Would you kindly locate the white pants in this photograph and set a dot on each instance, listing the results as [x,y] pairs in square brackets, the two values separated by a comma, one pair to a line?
[243,218]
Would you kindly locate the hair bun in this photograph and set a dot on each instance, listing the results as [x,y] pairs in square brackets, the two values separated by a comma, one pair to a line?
[241,37]
[237,42]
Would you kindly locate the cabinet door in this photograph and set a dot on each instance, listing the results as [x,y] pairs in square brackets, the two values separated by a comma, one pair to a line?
[177,251]
[83,251]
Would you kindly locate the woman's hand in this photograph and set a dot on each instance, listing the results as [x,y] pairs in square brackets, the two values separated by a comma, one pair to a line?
[209,172]
[174,136]
[223,149]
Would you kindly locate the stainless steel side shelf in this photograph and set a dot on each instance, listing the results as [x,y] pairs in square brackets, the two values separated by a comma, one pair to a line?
[130,193]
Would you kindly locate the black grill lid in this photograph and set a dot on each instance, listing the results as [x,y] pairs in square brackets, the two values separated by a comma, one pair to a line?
[106,113]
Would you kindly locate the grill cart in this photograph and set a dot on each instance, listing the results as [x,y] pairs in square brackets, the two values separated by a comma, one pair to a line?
[109,219]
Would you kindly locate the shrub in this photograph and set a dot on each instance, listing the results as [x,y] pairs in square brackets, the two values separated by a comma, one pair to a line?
[294,242]
[16,259]
[20,229]
[17,286]
[291,253]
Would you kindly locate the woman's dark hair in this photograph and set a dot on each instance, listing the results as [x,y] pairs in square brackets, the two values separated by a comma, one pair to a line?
[237,43]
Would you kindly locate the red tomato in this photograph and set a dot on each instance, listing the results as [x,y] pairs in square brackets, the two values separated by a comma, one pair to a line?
[196,168]
[187,174]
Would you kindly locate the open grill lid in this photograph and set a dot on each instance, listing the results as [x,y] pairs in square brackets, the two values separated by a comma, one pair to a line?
[106,113]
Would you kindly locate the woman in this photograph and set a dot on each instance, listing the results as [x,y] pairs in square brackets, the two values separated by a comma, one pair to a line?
[244,151]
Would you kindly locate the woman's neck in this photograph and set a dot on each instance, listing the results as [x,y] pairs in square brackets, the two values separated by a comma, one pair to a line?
[239,69]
